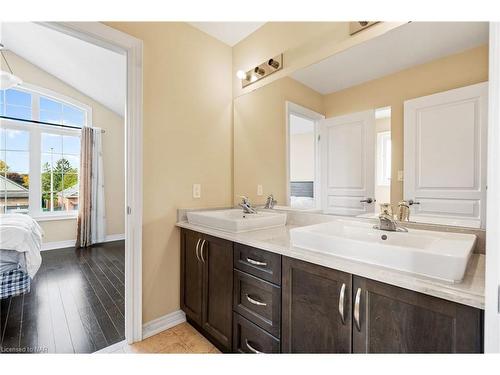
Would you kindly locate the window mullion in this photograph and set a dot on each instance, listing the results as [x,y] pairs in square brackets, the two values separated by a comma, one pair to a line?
[35,198]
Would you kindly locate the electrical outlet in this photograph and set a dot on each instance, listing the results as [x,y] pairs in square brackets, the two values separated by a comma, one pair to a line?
[401,175]
[196,191]
[259,190]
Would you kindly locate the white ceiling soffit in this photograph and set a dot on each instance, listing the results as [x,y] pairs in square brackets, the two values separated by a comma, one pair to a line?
[230,33]
[94,71]
[412,44]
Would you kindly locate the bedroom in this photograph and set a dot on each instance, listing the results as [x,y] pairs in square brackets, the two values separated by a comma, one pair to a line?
[62,192]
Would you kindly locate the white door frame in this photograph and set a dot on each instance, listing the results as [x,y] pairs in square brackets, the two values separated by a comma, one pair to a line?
[299,110]
[492,287]
[107,37]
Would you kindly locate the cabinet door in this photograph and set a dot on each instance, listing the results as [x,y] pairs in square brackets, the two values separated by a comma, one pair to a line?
[217,256]
[316,308]
[395,320]
[191,276]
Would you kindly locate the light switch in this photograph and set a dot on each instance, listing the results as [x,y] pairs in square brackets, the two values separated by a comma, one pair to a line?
[400,175]
[196,191]
[259,190]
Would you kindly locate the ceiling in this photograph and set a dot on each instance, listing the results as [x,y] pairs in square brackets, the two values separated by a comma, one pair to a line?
[412,44]
[97,72]
[230,33]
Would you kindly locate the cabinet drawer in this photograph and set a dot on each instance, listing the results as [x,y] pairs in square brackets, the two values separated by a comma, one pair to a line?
[249,338]
[257,300]
[260,263]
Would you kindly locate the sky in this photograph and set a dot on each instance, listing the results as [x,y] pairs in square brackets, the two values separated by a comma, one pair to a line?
[14,143]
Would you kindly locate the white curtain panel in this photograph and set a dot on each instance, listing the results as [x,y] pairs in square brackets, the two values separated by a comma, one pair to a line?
[98,212]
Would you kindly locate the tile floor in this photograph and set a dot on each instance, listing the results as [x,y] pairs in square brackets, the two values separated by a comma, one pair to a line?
[182,338]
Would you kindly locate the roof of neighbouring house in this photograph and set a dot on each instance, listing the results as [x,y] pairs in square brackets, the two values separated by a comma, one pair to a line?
[71,192]
[12,188]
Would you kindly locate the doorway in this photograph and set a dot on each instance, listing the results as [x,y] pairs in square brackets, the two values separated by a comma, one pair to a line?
[303,177]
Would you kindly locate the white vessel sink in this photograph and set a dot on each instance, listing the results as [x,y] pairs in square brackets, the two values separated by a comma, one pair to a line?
[435,254]
[235,220]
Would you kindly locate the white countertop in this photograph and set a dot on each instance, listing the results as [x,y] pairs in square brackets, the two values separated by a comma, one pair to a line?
[277,240]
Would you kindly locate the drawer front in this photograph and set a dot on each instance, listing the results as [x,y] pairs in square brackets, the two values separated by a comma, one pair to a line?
[257,300]
[260,263]
[249,338]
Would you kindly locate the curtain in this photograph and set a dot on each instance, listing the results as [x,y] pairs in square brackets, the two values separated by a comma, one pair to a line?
[91,226]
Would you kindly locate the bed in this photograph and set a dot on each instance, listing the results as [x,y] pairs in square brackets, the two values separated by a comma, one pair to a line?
[20,259]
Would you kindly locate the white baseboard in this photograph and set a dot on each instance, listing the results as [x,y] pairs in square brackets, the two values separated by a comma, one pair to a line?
[115,237]
[162,323]
[71,243]
[114,348]
[58,245]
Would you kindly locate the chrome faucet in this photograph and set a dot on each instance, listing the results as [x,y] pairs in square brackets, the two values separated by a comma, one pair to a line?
[270,202]
[247,207]
[388,223]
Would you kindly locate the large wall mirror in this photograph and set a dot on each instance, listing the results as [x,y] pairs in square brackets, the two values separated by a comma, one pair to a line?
[400,119]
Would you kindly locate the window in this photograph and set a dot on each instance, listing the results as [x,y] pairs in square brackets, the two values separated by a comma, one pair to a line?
[39,164]
[384,158]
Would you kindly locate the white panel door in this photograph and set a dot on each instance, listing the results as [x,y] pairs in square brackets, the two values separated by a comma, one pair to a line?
[445,150]
[348,163]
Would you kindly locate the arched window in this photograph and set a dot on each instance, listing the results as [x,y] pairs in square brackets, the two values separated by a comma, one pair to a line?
[39,163]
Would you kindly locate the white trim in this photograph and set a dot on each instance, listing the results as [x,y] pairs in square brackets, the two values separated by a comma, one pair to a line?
[163,323]
[492,313]
[107,37]
[113,348]
[115,237]
[55,217]
[291,107]
[54,245]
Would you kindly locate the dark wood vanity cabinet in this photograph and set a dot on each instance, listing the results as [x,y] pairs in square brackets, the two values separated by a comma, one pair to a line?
[378,318]
[389,319]
[207,285]
[316,305]
[239,303]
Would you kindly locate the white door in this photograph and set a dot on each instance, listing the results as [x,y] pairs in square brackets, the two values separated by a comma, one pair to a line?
[445,150]
[348,164]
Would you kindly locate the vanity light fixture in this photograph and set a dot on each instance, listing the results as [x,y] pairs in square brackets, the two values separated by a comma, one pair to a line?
[260,71]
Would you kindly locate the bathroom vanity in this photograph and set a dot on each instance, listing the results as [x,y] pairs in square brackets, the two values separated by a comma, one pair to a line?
[253,292]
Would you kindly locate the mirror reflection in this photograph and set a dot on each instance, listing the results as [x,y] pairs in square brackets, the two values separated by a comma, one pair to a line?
[394,125]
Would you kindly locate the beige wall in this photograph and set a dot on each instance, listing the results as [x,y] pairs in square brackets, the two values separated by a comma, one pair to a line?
[447,73]
[302,157]
[187,139]
[113,152]
[302,44]
[260,137]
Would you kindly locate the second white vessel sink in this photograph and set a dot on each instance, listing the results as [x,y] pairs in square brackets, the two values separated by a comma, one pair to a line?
[435,254]
[235,220]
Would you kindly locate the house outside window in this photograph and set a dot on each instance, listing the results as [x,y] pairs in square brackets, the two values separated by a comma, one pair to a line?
[39,164]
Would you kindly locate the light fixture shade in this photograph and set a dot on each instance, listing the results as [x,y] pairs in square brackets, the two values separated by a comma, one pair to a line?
[8,80]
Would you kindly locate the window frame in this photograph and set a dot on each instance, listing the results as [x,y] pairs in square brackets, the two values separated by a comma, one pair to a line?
[35,143]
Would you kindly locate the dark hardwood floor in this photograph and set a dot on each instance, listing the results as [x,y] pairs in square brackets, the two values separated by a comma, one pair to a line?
[76,303]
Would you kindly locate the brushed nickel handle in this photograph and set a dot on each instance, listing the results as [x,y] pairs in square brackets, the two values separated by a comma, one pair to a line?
[356,309]
[367,200]
[251,348]
[255,302]
[256,262]
[201,251]
[197,248]
[342,303]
